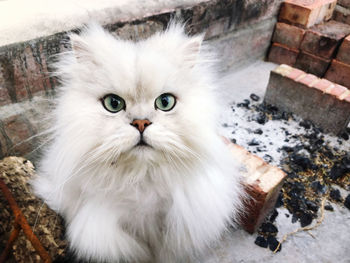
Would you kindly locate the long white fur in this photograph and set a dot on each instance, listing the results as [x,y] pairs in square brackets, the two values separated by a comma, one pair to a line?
[168,203]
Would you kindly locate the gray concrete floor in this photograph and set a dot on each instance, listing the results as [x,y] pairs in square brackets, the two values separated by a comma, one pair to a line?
[330,242]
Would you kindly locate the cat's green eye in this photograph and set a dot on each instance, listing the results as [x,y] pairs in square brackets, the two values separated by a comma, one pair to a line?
[165,102]
[113,103]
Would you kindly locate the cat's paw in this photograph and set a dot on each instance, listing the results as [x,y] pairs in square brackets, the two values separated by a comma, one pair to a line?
[44,189]
[98,237]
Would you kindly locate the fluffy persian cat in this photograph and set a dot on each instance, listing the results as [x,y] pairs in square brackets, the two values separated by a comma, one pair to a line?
[136,167]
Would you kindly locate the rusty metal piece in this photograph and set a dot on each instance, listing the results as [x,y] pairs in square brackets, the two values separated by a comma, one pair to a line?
[21,222]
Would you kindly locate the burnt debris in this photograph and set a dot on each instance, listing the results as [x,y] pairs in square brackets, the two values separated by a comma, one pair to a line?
[315,168]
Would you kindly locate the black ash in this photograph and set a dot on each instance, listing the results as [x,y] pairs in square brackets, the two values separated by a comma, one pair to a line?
[315,166]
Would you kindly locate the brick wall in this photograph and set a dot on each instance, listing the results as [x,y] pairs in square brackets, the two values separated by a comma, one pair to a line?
[321,101]
[240,28]
[314,36]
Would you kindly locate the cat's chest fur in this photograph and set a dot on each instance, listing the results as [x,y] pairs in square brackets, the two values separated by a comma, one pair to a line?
[145,199]
[143,208]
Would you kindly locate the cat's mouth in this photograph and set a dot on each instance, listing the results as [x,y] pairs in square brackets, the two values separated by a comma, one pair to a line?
[142,143]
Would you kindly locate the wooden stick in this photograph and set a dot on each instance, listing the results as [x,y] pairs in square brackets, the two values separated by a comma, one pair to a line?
[22,222]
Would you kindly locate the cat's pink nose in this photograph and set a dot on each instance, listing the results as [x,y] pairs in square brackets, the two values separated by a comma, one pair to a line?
[141,124]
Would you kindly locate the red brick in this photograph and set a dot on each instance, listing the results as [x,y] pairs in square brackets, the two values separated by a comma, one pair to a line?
[288,35]
[347,99]
[284,69]
[306,13]
[326,12]
[18,130]
[323,39]
[312,64]
[341,14]
[4,96]
[30,75]
[4,144]
[34,83]
[24,70]
[19,80]
[345,94]
[344,51]
[308,80]
[262,183]
[295,73]
[310,98]
[339,73]
[281,54]
[345,3]
[324,85]
[338,90]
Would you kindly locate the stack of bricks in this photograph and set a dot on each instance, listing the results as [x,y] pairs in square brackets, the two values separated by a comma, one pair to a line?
[339,71]
[342,11]
[306,38]
[325,103]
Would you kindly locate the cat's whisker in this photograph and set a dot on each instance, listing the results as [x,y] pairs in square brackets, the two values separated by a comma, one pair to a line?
[174,162]
[76,172]
[38,215]
[41,145]
[184,150]
[32,138]
[60,187]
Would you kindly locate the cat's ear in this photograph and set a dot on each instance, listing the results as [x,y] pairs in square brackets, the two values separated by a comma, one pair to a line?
[191,49]
[81,49]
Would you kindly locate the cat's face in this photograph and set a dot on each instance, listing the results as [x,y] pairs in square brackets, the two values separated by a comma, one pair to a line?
[144,100]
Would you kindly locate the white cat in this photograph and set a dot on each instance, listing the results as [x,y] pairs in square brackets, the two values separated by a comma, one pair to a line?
[136,166]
